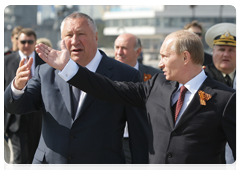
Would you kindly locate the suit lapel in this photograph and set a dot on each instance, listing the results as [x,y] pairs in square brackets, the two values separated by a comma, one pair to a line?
[171,87]
[65,91]
[103,69]
[142,70]
[195,105]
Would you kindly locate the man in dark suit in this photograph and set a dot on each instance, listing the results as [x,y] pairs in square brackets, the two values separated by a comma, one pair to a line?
[127,48]
[202,122]
[23,131]
[222,39]
[91,133]
[195,27]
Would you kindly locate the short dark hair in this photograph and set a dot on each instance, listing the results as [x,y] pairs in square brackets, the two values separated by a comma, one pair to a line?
[28,32]
[193,24]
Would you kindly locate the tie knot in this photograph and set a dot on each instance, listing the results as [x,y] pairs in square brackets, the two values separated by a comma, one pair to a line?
[183,89]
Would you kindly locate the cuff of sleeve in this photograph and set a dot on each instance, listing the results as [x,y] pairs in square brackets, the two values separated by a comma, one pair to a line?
[15,92]
[69,70]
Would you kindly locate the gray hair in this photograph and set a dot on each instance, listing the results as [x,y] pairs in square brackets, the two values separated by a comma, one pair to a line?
[76,15]
[137,44]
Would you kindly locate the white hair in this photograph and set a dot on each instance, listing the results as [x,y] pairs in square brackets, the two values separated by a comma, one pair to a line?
[76,15]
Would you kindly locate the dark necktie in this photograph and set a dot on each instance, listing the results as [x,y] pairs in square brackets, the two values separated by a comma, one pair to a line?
[181,97]
[228,80]
[75,100]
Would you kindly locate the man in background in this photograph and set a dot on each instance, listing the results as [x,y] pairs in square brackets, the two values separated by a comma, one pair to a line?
[222,39]
[127,48]
[14,39]
[196,28]
[23,131]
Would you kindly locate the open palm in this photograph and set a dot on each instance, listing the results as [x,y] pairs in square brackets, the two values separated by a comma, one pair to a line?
[56,59]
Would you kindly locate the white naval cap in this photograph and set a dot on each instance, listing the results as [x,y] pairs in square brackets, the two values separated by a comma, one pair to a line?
[221,34]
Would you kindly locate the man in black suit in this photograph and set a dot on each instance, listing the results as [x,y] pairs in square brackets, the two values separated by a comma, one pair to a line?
[23,131]
[195,27]
[202,122]
[127,48]
[89,133]
[222,39]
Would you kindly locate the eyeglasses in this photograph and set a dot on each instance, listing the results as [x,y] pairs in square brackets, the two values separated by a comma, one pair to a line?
[27,41]
[198,33]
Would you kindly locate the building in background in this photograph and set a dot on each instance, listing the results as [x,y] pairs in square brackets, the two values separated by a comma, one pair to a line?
[152,23]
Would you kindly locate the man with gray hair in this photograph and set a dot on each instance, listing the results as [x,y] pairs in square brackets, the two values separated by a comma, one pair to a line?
[78,128]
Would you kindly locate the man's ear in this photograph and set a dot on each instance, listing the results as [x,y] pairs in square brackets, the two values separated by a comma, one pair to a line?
[139,51]
[186,57]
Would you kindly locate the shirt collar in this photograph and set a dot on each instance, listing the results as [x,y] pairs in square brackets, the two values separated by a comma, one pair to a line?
[194,84]
[93,65]
[136,66]
[231,75]
[24,56]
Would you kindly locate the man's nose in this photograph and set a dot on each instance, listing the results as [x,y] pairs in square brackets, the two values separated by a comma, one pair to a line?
[226,53]
[161,65]
[75,39]
[119,51]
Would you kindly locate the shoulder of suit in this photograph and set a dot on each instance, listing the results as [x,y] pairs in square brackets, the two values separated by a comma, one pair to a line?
[12,56]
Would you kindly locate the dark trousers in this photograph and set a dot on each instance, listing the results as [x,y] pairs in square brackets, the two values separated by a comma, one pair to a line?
[25,140]
[127,151]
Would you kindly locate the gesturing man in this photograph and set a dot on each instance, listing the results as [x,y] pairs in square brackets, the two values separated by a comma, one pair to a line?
[79,129]
[198,133]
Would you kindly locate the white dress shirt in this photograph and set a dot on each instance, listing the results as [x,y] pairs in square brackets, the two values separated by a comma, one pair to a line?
[31,55]
[193,85]
[71,69]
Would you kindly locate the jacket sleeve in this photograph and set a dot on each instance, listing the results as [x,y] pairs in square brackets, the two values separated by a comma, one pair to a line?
[29,102]
[229,123]
[126,93]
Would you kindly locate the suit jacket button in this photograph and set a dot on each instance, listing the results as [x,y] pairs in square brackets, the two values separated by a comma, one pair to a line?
[169,155]
[71,137]
[69,157]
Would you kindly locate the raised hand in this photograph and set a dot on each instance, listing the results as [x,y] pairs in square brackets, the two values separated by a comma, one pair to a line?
[23,74]
[56,59]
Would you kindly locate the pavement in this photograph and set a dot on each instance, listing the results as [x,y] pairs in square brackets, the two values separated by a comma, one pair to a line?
[153,63]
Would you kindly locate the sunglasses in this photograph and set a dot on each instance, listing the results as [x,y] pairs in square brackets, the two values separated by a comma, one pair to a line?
[198,33]
[27,41]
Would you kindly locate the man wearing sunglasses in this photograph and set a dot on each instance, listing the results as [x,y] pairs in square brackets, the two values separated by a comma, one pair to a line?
[195,27]
[23,132]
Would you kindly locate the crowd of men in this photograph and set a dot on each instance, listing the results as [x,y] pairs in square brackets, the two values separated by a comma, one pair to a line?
[78,106]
